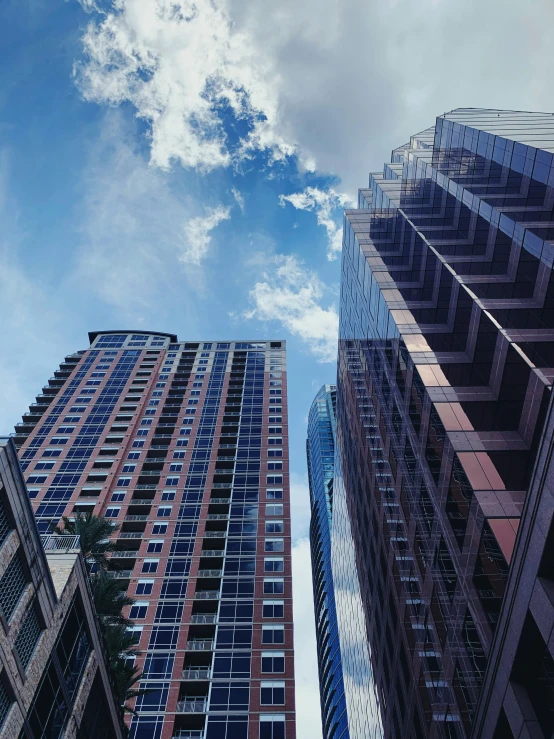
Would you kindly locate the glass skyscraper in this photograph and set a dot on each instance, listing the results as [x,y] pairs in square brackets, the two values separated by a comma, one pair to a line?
[320,451]
[184,446]
[445,368]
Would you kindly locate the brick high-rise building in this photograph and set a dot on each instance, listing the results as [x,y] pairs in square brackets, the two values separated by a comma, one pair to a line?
[184,445]
[446,361]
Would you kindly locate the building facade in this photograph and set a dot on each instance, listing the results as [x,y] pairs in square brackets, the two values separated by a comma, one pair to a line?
[320,452]
[184,446]
[446,355]
[53,675]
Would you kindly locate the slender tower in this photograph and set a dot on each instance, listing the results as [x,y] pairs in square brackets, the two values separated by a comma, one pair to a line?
[184,446]
[320,451]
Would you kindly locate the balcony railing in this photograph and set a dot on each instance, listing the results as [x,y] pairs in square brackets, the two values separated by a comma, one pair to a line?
[200,645]
[207,594]
[215,534]
[210,573]
[192,706]
[125,553]
[189,734]
[203,618]
[131,535]
[218,516]
[60,543]
[197,674]
[220,501]
[212,553]
[137,517]
[120,574]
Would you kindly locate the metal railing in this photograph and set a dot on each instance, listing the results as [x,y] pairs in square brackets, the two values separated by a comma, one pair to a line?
[218,516]
[60,543]
[197,674]
[212,553]
[210,573]
[131,535]
[220,501]
[203,618]
[192,706]
[120,574]
[137,517]
[189,734]
[200,645]
[207,595]
[125,553]
[215,534]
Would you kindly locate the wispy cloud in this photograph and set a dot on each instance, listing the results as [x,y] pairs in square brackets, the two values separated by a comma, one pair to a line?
[198,232]
[324,203]
[291,294]
[239,198]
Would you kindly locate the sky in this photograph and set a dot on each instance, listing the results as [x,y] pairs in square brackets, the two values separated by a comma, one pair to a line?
[182,166]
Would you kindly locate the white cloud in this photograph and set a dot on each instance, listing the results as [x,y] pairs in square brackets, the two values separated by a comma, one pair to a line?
[239,197]
[291,293]
[198,236]
[324,203]
[181,64]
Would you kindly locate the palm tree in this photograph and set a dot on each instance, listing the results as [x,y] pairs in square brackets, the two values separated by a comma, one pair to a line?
[93,532]
[109,599]
[120,645]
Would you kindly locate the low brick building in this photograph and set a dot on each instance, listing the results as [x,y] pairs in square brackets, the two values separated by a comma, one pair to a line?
[53,675]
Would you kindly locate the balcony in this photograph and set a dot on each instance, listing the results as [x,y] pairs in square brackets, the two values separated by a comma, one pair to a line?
[212,553]
[219,501]
[149,486]
[120,574]
[131,535]
[192,705]
[125,554]
[136,517]
[200,645]
[189,734]
[218,516]
[203,618]
[198,674]
[141,501]
[215,534]
[60,543]
[207,595]
[210,573]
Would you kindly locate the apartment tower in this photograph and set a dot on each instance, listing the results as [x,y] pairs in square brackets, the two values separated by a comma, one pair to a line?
[184,446]
[443,470]
[320,452]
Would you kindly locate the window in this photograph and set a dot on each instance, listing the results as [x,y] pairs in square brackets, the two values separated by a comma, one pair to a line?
[117,497]
[274,545]
[44,465]
[36,479]
[182,442]
[159,528]
[272,726]
[155,546]
[274,509]
[179,455]
[133,455]
[275,429]
[123,482]
[275,453]
[274,564]
[272,693]
[138,443]
[65,430]
[274,465]
[142,432]
[273,609]
[146,422]
[274,494]
[129,468]
[274,586]
[51,452]
[274,479]
[33,492]
[138,610]
[273,661]
[112,512]
[144,587]
[275,419]
[175,467]
[150,565]
[28,637]
[12,586]
[164,511]
[173,481]
[275,440]
[136,633]
[195,392]
[274,527]
[273,634]
[168,495]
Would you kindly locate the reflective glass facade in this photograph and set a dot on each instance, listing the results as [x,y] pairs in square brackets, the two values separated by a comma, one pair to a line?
[320,451]
[184,445]
[446,359]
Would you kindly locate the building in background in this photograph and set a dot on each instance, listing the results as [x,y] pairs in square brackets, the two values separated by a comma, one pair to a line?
[446,360]
[53,675]
[184,446]
[320,451]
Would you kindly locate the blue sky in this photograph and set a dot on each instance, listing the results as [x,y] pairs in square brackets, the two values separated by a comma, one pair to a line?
[182,166]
